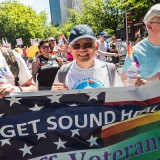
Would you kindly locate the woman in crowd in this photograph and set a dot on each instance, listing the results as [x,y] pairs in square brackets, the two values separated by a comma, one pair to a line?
[113,49]
[45,66]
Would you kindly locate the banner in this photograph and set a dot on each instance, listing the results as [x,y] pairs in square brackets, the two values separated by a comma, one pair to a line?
[19,41]
[35,41]
[92,124]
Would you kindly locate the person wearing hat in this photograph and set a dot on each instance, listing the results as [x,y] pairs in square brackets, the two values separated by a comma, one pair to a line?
[85,71]
[52,44]
[102,48]
[57,50]
[147,51]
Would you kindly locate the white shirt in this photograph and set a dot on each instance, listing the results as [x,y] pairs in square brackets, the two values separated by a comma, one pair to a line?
[94,77]
[6,77]
[102,47]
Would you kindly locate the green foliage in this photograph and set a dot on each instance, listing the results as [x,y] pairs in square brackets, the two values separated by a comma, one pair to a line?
[137,8]
[108,14]
[93,14]
[100,15]
[20,21]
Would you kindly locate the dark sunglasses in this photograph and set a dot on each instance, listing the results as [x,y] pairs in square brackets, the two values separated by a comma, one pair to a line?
[45,47]
[83,46]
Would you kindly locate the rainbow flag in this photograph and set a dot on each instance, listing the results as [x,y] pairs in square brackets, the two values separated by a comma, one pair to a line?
[129,51]
[30,60]
[61,36]
[135,59]
[132,55]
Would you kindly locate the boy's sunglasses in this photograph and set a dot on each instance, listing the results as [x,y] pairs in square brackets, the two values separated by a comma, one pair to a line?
[45,47]
[83,46]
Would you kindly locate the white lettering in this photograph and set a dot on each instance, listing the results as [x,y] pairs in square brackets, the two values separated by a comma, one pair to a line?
[70,122]
[84,121]
[20,129]
[113,117]
[97,120]
[34,125]
[49,121]
[9,129]
[128,115]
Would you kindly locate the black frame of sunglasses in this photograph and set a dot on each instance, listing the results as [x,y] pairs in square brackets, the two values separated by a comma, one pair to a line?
[83,46]
[45,47]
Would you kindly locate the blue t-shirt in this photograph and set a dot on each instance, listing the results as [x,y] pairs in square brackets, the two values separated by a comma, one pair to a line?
[148,57]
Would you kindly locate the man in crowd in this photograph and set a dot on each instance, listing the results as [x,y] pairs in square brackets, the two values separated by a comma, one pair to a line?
[7,78]
[147,51]
[85,71]
[102,48]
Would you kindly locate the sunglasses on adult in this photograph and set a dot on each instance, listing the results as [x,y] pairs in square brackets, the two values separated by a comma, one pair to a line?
[45,47]
[83,46]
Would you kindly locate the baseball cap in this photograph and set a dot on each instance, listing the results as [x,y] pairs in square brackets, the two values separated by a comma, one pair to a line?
[153,12]
[81,31]
[51,39]
[104,34]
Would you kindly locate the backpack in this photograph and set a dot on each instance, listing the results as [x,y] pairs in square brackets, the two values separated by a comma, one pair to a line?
[64,70]
[12,63]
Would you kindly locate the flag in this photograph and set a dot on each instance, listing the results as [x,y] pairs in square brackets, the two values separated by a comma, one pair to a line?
[131,53]
[81,125]
[61,40]
[61,36]
[137,33]
[135,58]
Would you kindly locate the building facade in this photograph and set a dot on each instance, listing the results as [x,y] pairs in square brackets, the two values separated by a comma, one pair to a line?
[76,5]
[55,11]
[59,10]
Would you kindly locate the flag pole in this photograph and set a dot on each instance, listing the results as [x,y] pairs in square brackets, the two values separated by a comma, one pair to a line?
[126,26]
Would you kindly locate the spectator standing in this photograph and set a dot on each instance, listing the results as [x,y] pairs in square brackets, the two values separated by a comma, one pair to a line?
[60,51]
[147,51]
[114,49]
[85,71]
[102,48]
[45,66]
[8,81]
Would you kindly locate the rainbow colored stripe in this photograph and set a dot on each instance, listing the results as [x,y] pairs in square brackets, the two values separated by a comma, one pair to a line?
[130,128]
[132,55]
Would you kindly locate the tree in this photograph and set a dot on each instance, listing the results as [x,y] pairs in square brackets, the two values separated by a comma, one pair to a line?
[20,21]
[93,14]
[114,15]
[101,15]
[138,8]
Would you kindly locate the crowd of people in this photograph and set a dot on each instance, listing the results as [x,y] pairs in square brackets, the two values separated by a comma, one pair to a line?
[84,61]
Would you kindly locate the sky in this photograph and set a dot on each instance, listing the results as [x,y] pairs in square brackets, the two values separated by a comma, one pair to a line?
[38,5]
